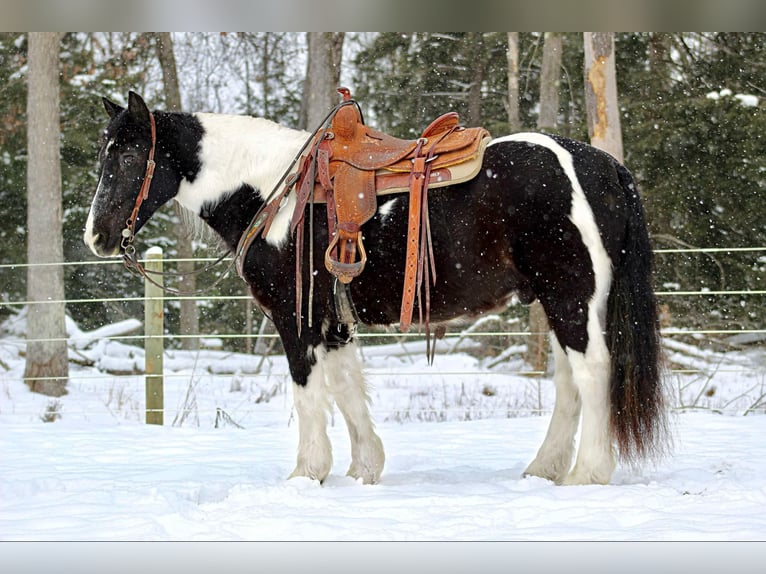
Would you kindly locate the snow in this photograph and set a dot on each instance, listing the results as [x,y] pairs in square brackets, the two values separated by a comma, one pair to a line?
[458,436]
[746,100]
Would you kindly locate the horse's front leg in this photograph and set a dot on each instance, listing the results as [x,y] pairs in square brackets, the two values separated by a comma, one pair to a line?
[312,405]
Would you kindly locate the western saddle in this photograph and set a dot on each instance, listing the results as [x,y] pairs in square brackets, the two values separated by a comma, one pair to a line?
[348,165]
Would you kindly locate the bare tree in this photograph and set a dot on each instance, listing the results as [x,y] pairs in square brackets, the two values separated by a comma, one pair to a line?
[163,43]
[322,76]
[659,60]
[187,282]
[601,93]
[478,74]
[550,84]
[514,121]
[47,364]
[547,120]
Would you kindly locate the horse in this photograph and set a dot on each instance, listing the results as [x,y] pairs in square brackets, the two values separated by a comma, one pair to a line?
[546,218]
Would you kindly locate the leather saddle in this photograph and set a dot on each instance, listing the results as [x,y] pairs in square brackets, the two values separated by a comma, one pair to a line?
[349,164]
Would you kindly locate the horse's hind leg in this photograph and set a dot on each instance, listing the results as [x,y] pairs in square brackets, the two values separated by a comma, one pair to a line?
[595,456]
[347,385]
[312,405]
[554,458]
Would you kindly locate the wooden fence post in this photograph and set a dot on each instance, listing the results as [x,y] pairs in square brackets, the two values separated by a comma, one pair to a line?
[153,341]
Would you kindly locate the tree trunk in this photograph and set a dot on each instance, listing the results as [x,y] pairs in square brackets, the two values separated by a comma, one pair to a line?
[187,282]
[601,93]
[659,62]
[47,364]
[322,76]
[476,40]
[550,74]
[514,121]
[163,42]
[547,121]
[265,74]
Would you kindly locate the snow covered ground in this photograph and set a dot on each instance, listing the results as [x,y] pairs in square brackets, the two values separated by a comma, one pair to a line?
[457,434]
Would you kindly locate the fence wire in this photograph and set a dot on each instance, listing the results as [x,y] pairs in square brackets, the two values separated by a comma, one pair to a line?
[176,378]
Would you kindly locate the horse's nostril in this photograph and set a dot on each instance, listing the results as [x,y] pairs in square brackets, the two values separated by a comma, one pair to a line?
[95,241]
[90,238]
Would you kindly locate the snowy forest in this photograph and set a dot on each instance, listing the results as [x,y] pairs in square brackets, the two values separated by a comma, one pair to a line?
[691,116]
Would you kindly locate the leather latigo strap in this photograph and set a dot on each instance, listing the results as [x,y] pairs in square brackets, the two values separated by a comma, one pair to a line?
[420,267]
[413,236]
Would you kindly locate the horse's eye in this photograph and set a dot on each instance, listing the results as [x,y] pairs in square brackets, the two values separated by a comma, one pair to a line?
[128,158]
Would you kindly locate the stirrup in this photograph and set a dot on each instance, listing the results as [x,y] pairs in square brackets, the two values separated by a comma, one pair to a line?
[345,272]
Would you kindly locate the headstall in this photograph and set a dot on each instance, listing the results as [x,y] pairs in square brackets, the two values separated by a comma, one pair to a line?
[128,234]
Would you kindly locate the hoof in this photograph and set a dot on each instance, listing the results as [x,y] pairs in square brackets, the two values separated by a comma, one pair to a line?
[304,472]
[552,472]
[368,476]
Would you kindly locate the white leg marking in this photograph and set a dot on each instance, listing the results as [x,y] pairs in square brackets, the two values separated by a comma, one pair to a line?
[312,405]
[346,382]
[595,457]
[554,458]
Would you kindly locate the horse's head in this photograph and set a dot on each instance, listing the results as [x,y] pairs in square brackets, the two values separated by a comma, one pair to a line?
[117,212]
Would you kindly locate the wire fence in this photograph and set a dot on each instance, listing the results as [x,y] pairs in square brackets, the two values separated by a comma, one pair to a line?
[278,374]
[706,292]
[371,335]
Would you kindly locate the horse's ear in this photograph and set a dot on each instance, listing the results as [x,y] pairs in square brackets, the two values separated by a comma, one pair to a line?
[111,108]
[137,107]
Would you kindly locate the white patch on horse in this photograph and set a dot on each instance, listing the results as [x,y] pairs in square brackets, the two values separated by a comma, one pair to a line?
[386,208]
[590,370]
[237,150]
[89,237]
[108,146]
[343,369]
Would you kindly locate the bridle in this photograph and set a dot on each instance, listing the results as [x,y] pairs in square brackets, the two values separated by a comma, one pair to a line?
[129,258]
[128,234]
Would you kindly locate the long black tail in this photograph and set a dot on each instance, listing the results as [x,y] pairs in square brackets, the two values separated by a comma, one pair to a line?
[638,417]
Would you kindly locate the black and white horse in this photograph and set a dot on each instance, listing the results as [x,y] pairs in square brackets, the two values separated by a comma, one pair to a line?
[546,218]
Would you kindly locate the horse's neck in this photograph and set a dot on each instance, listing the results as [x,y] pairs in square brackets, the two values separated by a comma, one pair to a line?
[236,151]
